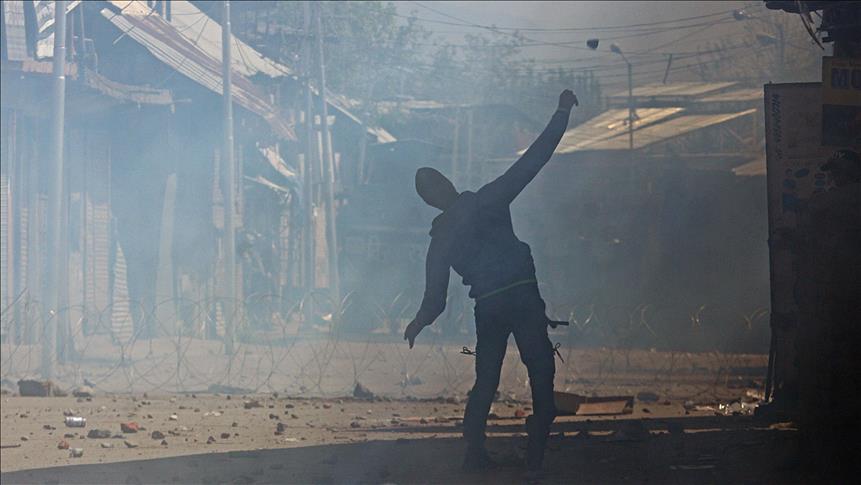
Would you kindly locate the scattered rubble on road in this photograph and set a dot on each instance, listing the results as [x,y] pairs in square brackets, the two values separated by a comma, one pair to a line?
[362,392]
[130,427]
[99,434]
[84,392]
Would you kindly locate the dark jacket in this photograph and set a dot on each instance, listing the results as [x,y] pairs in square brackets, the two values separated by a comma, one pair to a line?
[475,235]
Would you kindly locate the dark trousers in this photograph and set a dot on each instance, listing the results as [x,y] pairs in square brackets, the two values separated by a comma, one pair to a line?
[519,311]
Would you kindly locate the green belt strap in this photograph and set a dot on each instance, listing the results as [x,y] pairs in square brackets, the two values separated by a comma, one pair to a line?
[506,288]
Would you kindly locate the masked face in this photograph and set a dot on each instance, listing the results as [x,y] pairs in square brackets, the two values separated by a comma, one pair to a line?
[435,189]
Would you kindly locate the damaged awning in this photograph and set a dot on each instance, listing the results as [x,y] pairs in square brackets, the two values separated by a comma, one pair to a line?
[198,60]
[279,165]
[259,179]
[127,92]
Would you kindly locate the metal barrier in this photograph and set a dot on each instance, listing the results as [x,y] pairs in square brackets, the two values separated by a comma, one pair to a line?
[177,346]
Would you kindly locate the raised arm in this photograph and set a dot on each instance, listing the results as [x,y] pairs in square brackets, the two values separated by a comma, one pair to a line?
[508,185]
[436,290]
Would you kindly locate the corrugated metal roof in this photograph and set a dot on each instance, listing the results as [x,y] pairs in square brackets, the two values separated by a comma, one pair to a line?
[607,131]
[755,168]
[345,105]
[200,62]
[195,25]
[675,89]
[668,129]
[609,124]
[205,33]
[736,95]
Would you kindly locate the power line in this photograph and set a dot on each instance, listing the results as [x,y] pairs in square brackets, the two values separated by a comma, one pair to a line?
[595,68]
[570,44]
[580,41]
[466,23]
[459,68]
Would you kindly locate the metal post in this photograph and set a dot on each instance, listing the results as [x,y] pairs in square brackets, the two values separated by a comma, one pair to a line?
[229,167]
[55,207]
[309,234]
[363,150]
[630,109]
[468,177]
[455,149]
[328,168]
[667,71]
[781,50]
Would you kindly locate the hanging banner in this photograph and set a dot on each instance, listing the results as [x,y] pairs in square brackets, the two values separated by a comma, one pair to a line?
[841,101]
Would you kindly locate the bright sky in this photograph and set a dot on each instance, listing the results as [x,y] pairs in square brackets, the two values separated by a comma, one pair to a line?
[676,31]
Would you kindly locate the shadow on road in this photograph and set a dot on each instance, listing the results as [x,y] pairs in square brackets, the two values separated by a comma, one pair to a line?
[706,450]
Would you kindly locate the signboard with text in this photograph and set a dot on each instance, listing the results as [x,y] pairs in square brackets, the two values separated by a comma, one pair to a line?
[794,154]
[841,101]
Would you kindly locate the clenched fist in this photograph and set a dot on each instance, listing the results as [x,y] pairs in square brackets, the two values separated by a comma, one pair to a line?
[567,99]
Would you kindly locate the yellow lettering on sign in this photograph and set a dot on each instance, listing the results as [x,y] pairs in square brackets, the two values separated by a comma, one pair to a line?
[841,81]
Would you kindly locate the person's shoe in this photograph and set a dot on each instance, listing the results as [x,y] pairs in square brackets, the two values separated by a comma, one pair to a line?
[478,461]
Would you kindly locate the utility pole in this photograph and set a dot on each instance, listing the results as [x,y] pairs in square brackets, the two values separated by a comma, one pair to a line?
[229,167]
[309,234]
[328,167]
[616,50]
[55,208]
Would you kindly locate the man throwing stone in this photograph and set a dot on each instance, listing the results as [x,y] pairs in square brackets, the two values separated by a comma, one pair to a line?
[475,237]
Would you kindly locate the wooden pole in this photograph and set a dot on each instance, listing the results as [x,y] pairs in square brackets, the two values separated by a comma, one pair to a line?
[328,168]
